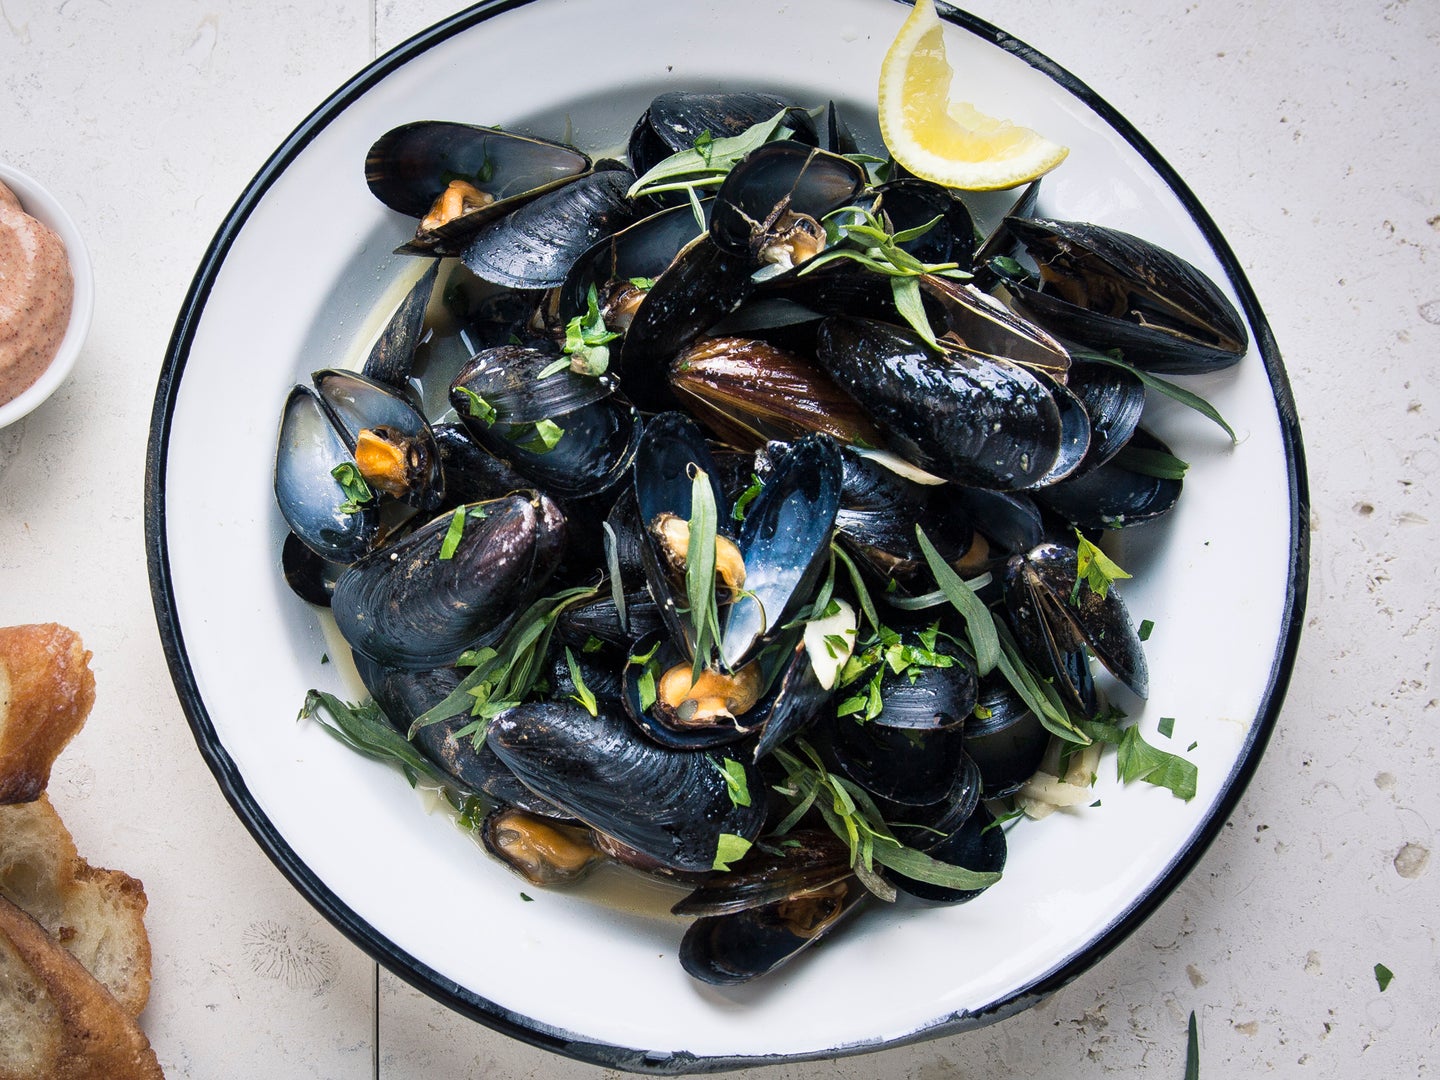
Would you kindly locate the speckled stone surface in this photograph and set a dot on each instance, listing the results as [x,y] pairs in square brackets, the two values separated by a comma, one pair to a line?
[1307,131]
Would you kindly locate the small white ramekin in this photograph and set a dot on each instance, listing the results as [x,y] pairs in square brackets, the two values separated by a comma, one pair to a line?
[41,205]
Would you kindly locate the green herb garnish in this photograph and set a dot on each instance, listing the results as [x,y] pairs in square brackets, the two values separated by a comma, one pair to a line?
[583,694]
[730,848]
[1146,626]
[700,570]
[736,785]
[746,498]
[1094,568]
[1154,382]
[1146,462]
[1135,759]
[543,439]
[587,342]
[364,728]
[479,408]
[504,676]
[1192,1050]
[357,492]
[979,624]
[453,534]
[859,235]
[707,163]
[1166,727]
[852,815]
[1383,975]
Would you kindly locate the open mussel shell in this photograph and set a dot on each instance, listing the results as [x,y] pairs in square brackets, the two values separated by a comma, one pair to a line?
[671,450]
[598,432]
[966,418]
[409,167]
[1107,289]
[361,406]
[749,392]
[727,950]
[405,606]
[773,870]
[1116,495]
[539,849]
[785,541]
[778,188]
[1054,622]
[671,805]
[661,724]
[311,445]
[392,357]
[535,246]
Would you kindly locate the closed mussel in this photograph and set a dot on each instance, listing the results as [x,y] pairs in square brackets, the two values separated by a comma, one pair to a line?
[966,418]
[535,246]
[670,805]
[1108,289]
[408,605]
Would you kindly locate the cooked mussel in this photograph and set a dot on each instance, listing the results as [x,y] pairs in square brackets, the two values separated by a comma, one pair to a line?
[407,605]
[671,805]
[535,246]
[568,433]
[455,177]
[781,900]
[748,392]
[1059,622]
[966,418]
[346,445]
[1108,289]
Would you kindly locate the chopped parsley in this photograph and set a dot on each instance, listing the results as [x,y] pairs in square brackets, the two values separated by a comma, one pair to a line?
[730,848]
[1093,568]
[1383,975]
[357,492]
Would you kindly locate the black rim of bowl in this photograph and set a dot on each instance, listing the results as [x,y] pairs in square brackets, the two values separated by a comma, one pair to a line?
[464,1001]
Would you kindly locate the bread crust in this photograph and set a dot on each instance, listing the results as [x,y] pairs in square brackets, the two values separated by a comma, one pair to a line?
[46,693]
[68,1026]
[97,914]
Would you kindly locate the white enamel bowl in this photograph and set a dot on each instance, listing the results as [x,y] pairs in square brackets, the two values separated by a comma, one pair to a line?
[288,286]
[36,201]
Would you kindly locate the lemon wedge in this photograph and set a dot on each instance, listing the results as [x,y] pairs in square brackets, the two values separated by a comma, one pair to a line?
[950,143]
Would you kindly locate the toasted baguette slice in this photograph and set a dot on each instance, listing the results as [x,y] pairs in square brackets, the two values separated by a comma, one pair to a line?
[56,1021]
[99,915]
[46,692]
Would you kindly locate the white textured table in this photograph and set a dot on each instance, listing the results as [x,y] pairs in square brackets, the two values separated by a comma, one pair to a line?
[1307,130]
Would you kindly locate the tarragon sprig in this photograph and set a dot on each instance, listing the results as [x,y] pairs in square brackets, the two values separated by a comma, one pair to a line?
[709,161]
[851,814]
[505,675]
[587,342]
[860,235]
